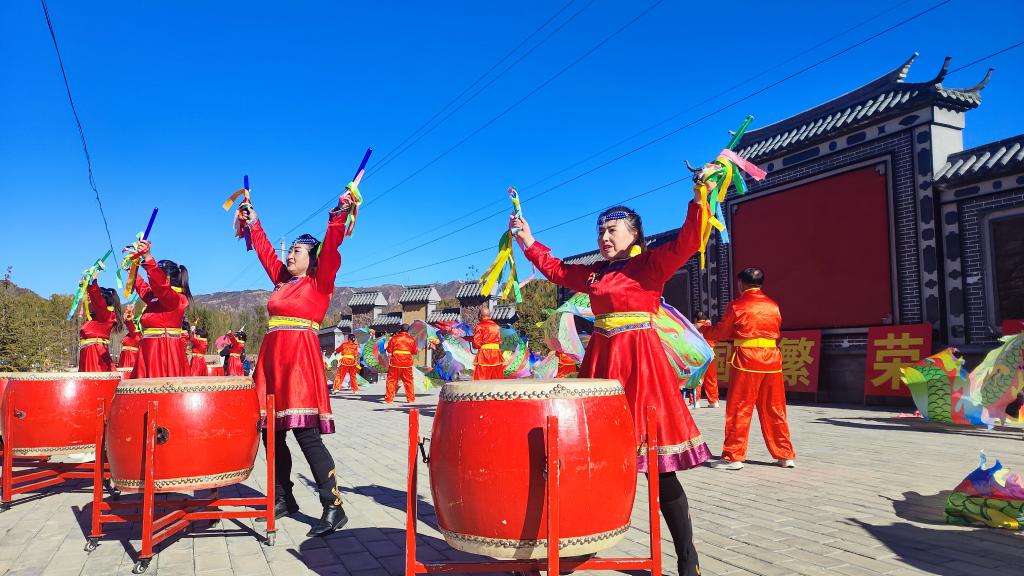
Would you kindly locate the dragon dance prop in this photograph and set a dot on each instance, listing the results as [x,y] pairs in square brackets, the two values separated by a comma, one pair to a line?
[546,368]
[713,181]
[81,298]
[996,382]
[495,273]
[992,497]
[132,259]
[241,230]
[940,388]
[516,352]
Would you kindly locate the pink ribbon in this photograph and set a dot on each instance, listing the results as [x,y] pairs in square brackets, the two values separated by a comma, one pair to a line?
[753,170]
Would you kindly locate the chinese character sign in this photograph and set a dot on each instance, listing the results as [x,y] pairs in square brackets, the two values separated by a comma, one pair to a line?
[723,353]
[891,348]
[800,353]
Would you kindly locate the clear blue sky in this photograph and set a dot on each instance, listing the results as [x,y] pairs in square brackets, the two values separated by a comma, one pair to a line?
[180,99]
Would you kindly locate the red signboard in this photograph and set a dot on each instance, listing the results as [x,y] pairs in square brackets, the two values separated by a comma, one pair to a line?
[889,349]
[723,353]
[801,351]
[1011,327]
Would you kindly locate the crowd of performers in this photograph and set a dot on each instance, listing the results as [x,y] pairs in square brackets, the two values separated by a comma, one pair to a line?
[622,294]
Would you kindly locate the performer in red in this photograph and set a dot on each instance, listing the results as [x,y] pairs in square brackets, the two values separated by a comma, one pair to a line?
[198,337]
[130,343]
[167,295]
[489,363]
[348,365]
[233,363]
[753,323]
[290,365]
[710,382]
[625,292]
[94,336]
[566,365]
[402,351]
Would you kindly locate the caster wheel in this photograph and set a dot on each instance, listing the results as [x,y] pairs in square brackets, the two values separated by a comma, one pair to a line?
[92,544]
[141,566]
[5,507]
[214,523]
[271,538]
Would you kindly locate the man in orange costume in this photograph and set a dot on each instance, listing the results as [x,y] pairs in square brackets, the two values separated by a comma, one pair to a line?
[753,322]
[402,351]
[348,365]
[489,363]
[566,365]
[710,382]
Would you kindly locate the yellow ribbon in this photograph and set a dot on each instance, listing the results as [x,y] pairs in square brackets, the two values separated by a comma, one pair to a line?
[755,342]
[292,322]
[494,272]
[234,196]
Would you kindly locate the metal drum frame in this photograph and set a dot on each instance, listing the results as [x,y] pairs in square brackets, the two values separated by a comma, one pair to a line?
[553,564]
[175,515]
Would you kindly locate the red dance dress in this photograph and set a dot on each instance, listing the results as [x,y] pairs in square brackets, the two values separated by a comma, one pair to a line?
[625,294]
[488,364]
[566,365]
[290,363]
[129,347]
[197,364]
[234,366]
[94,336]
[161,354]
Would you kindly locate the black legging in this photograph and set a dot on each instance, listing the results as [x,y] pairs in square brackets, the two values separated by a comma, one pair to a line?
[676,511]
[320,462]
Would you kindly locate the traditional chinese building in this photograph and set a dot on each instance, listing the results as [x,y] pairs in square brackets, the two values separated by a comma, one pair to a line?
[873,224]
[471,298]
[418,303]
[365,307]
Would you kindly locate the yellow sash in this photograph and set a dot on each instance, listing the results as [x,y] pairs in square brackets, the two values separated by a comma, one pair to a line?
[160,332]
[129,348]
[87,341]
[291,323]
[755,343]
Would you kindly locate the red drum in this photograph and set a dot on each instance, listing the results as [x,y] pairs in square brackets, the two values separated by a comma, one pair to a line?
[487,459]
[58,411]
[207,432]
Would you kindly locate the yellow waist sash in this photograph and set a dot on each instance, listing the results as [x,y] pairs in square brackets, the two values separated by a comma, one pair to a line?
[234,355]
[87,341]
[291,323]
[130,348]
[406,352]
[755,342]
[490,347]
[349,356]
[162,332]
[616,322]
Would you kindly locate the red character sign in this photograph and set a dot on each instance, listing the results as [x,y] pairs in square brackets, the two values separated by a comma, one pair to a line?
[801,350]
[891,348]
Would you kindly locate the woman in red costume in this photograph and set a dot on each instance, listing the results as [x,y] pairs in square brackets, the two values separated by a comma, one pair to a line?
[197,365]
[94,336]
[291,366]
[233,363]
[625,292]
[167,295]
[130,343]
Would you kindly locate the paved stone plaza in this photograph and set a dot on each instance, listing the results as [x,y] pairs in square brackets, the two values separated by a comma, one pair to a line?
[866,498]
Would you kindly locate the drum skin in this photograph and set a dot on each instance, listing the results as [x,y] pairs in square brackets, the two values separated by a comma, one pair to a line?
[60,410]
[210,425]
[487,460]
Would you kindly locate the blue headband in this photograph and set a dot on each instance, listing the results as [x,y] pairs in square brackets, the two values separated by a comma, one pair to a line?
[306,239]
[611,216]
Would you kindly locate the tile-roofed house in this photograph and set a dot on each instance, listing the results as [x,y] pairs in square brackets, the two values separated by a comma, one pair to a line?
[367,298]
[445,315]
[419,295]
[471,290]
[504,313]
[345,324]
[886,97]
[983,162]
[387,322]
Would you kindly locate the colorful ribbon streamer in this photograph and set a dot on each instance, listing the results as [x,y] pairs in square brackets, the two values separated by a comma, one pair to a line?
[83,286]
[241,230]
[353,190]
[495,273]
[131,261]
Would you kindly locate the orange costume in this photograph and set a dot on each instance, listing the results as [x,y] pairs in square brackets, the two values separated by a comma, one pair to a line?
[566,365]
[401,350]
[753,323]
[489,363]
[710,382]
[349,351]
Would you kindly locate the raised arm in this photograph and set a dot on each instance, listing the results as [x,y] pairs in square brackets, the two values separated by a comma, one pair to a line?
[145,293]
[571,276]
[664,260]
[98,303]
[268,256]
[725,327]
[329,261]
[159,283]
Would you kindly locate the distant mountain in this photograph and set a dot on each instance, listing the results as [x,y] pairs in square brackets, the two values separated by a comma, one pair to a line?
[241,300]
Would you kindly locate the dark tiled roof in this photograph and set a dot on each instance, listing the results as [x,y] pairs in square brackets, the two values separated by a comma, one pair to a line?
[345,323]
[418,294]
[386,320]
[471,290]
[593,256]
[884,98]
[444,316]
[504,313]
[368,298]
[983,163]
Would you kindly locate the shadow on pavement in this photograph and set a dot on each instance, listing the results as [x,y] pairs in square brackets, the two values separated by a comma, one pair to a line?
[921,508]
[920,425]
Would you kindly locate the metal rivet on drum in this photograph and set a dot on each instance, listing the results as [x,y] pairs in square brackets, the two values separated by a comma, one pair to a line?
[161,435]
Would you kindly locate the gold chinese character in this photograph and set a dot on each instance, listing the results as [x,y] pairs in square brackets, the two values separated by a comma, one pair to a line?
[723,353]
[893,353]
[796,356]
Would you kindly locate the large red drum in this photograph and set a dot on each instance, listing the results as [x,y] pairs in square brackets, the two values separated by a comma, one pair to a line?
[55,411]
[207,432]
[487,460]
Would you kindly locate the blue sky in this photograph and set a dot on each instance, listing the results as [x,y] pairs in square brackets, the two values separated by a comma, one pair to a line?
[180,99]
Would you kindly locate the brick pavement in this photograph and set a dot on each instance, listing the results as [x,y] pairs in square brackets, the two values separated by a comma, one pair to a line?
[866,498]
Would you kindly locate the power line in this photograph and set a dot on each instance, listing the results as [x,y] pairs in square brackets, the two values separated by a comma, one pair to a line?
[78,122]
[669,133]
[983,58]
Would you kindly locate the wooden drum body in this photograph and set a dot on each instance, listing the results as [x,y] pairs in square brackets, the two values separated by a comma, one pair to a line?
[207,432]
[55,412]
[487,460]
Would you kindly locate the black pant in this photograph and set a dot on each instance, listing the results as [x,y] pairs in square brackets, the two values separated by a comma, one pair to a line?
[676,511]
[320,462]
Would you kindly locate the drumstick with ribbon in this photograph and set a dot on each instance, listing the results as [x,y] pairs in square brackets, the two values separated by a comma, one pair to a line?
[133,261]
[83,286]
[241,230]
[352,191]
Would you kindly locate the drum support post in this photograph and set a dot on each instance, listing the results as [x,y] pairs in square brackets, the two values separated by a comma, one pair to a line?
[553,564]
[162,519]
[37,471]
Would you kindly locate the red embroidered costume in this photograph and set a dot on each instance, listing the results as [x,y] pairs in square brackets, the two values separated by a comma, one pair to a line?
[198,363]
[402,349]
[234,365]
[129,346]
[94,336]
[160,352]
[349,351]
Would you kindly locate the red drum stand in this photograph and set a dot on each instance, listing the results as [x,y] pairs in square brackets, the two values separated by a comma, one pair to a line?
[553,564]
[176,514]
[37,472]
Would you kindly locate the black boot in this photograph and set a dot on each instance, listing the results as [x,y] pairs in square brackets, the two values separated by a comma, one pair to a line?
[284,505]
[333,519]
